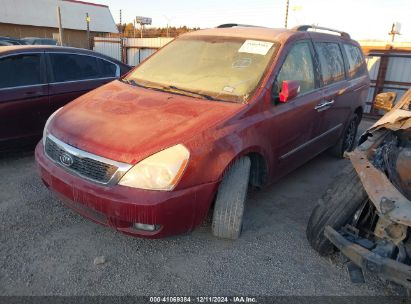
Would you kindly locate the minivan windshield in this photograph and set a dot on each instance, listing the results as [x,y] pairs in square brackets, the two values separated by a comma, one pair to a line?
[218,68]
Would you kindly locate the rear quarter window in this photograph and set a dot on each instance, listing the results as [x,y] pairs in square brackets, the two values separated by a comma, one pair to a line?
[356,62]
[71,67]
[331,62]
[108,69]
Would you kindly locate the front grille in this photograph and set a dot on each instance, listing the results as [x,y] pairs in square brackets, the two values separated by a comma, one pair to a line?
[86,167]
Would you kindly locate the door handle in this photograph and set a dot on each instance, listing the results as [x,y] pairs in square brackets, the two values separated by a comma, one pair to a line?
[324,105]
[32,93]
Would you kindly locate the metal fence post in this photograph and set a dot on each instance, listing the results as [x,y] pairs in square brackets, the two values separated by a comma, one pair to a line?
[379,82]
[60,25]
[88,31]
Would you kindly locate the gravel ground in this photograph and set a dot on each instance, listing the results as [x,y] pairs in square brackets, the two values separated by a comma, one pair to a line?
[46,249]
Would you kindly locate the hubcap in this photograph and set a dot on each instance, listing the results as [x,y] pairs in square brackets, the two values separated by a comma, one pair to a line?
[350,135]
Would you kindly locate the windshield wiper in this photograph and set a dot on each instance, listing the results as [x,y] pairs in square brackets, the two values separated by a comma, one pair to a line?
[190,92]
[135,83]
[130,81]
[167,89]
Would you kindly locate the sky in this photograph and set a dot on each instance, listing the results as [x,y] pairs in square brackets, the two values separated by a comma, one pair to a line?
[363,19]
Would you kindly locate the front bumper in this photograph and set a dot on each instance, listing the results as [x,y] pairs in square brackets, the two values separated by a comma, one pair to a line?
[120,207]
[386,268]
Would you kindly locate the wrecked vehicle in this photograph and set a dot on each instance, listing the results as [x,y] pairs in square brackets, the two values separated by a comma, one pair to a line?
[366,213]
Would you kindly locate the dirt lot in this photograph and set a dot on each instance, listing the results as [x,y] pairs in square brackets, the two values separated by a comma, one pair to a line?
[48,249]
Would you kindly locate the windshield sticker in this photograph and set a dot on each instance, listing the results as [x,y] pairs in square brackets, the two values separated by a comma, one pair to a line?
[228,89]
[256,47]
[242,63]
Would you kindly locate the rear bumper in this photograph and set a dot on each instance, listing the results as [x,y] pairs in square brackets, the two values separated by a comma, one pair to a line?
[386,268]
[174,212]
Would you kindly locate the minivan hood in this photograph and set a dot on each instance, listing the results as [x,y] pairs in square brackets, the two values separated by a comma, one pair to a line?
[126,123]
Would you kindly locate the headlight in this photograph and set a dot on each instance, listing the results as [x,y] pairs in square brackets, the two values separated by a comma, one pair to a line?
[160,171]
[46,131]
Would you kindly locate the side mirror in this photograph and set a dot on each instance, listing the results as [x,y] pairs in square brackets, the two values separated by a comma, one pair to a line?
[385,101]
[289,90]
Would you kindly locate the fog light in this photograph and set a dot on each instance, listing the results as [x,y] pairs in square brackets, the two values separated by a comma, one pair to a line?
[145,227]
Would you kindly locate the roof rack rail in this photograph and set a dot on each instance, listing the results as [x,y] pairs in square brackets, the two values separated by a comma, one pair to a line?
[305,28]
[227,25]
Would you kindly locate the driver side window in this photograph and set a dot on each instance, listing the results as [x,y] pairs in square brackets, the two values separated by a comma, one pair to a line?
[298,66]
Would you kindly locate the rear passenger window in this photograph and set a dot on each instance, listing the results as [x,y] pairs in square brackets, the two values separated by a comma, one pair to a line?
[356,61]
[108,69]
[71,67]
[298,66]
[331,62]
[20,70]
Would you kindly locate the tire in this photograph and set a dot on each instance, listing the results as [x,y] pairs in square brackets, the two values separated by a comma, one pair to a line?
[336,209]
[230,200]
[346,143]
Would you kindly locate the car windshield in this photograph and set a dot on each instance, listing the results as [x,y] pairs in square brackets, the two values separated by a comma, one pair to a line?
[217,68]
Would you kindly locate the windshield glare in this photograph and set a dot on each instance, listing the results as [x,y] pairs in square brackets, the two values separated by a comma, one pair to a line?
[227,69]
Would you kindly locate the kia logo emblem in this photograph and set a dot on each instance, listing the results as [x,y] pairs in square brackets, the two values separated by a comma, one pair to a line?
[66,159]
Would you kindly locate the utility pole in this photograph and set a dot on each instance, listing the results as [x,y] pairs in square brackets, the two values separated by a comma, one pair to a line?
[121,40]
[121,25]
[286,13]
[88,30]
[395,30]
[134,28]
[168,24]
[60,26]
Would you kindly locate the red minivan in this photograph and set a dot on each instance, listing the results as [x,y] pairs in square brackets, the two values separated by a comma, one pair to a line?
[192,127]
[37,80]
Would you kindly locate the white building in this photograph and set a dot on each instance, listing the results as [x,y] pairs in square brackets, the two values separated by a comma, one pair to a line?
[38,18]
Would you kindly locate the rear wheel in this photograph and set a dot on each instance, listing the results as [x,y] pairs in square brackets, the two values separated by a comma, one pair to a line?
[230,200]
[347,141]
[336,209]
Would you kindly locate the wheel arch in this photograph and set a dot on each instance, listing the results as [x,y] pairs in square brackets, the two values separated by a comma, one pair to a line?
[259,169]
[259,165]
[359,111]
[258,172]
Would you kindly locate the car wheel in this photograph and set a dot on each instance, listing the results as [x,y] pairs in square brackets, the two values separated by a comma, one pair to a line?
[347,141]
[336,209]
[230,200]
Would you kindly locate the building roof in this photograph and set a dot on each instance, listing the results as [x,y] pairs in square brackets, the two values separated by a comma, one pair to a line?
[44,13]
[368,46]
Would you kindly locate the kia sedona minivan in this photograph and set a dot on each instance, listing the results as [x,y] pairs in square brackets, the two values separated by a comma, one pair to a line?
[190,129]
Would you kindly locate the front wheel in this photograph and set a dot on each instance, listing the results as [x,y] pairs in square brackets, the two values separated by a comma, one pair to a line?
[346,143]
[230,200]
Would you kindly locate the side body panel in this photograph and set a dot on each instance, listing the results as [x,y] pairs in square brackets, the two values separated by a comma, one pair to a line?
[23,111]
[341,98]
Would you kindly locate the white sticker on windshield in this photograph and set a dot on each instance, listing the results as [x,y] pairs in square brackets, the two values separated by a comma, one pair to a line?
[228,89]
[256,47]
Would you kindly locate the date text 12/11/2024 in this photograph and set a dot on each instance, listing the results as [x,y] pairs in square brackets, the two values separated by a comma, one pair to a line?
[175,299]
